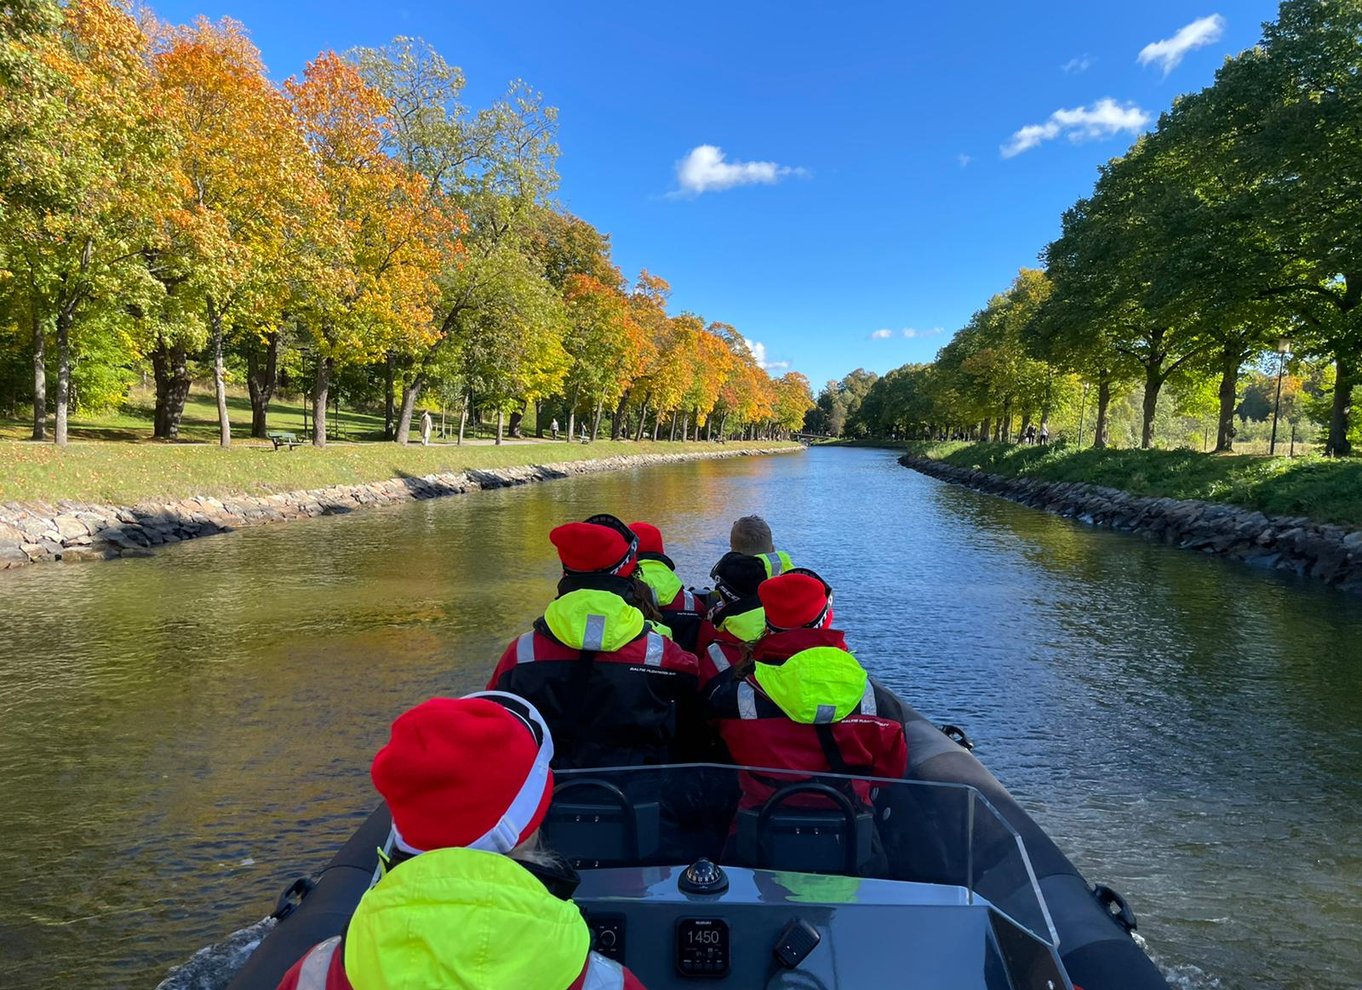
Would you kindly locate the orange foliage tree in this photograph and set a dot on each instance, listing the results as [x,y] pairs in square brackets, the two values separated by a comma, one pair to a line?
[249,200]
[388,236]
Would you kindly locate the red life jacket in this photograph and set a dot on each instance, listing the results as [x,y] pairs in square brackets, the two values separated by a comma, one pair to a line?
[323,968]
[628,699]
[758,733]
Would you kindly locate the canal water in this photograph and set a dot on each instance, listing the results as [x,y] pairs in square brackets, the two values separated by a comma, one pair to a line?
[180,734]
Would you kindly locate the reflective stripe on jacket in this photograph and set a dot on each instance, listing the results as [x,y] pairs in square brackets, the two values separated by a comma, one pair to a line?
[613,692]
[776,563]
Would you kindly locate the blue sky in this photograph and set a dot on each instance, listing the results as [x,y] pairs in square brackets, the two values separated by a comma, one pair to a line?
[876,184]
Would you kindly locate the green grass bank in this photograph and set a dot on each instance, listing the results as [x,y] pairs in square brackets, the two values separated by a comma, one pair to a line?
[1327,491]
[129,473]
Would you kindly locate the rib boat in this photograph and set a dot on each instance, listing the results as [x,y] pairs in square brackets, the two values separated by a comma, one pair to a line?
[706,875]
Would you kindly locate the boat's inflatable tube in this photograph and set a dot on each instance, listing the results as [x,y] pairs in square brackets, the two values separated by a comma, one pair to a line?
[324,911]
[1097,952]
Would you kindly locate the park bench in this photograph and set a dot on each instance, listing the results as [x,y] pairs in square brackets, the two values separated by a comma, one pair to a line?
[289,440]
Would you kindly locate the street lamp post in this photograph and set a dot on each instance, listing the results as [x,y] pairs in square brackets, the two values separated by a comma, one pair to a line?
[1283,349]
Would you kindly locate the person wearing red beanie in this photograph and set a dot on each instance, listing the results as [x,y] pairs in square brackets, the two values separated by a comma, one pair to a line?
[681,608]
[801,701]
[468,782]
[594,642]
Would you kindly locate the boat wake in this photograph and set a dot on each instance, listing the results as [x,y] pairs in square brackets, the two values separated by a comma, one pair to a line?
[212,967]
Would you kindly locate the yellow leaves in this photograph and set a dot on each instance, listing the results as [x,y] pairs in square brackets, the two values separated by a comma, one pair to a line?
[391,233]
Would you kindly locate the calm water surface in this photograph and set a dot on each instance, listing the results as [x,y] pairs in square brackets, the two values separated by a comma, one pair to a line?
[178,735]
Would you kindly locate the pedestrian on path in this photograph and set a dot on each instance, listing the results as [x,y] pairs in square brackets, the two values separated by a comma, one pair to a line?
[554,427]
[426,426]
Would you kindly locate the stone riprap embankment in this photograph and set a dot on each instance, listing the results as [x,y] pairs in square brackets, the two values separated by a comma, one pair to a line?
[69,531]
[1332,554]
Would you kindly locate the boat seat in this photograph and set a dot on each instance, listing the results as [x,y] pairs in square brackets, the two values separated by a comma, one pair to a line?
[592,823]
[839,840]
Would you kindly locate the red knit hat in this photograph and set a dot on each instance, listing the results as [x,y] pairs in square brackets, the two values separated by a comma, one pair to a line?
[649,537]
[587,548]
[466,772]
[794,600]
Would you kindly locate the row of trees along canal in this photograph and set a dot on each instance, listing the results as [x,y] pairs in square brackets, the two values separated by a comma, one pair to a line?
[1232,226]
[163,203]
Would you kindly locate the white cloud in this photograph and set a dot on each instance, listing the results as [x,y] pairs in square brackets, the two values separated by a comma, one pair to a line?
[908,333]
[1080,63]
[758,350]
[705,169]
[964,159]
[1170,52]
[1103,119]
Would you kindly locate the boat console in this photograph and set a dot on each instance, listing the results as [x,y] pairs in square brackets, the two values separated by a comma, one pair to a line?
[708,875]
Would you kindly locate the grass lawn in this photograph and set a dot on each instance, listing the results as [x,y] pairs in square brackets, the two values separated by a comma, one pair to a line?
[200,421]
[1324,490]
[112,459]
[126,473]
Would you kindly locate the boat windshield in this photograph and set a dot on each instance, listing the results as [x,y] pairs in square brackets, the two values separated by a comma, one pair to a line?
[827,824]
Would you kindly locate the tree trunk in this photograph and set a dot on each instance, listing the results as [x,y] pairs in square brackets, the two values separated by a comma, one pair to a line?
[1026,421]
[388,410]
[618,424]
[410,393]
[1007,420]
[170,368]
[219,375]
[657,423]
[572,413]
[1099,438]
[64,321]
[1339,445]
[538,421]
[1230,360]
[320,394]
[39,379]
[596,420]
[671,437]
[501,421]
[985,428]
[1153,382]
[463,418]
[262,376]
[642,422]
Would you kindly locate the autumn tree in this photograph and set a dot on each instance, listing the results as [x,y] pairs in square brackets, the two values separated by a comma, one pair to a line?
[388,237]
[494,165]
[601,344]
[85,173]
[793,399]
[249,197]
[512,346]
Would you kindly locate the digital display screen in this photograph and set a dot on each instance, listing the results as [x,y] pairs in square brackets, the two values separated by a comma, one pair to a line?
[702,947]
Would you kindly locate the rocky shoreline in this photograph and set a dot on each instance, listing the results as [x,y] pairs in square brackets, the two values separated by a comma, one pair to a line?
[37,532]
[1329,553]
